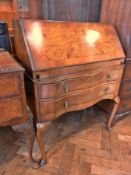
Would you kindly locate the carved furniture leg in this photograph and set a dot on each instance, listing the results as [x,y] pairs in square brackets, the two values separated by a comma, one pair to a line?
[115,107]
[40,131]
[28,129]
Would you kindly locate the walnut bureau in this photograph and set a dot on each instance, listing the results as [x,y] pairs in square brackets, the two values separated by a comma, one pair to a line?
[70,66]
[13,108]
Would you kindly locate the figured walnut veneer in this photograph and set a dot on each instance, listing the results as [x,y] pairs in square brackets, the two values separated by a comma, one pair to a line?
[13,107]
[70,66]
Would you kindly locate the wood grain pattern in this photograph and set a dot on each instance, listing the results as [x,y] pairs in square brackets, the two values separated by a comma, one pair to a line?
[9,12]
[72,10]
[10,109]
[60,88]
[51,48]
[12,92]
[118,12]
[69,52]
[35,9]
[51,109]
[69,10]
[9,90]
[13,107]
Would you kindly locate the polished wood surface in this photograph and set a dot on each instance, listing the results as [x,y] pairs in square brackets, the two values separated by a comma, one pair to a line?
[61,58]
[59,88]
[12,92]
[118,13]
[12,65]
[77,144]
[51,109]
[36,9]
[13,107]
[60,47]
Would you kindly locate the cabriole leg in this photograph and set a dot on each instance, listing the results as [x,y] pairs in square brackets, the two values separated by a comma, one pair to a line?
[40,133]
[28,129]
[115,107]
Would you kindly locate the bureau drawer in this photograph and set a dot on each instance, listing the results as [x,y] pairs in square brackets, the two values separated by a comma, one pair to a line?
[125,89]
[59,74]
[52,108]
[10,109]
[9,86]
[66,87]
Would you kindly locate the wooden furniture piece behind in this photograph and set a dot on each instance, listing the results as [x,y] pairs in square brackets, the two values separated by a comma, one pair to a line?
[14,9]
[118,12]
[70,66]
[30,8]
[9,12]
[13,108]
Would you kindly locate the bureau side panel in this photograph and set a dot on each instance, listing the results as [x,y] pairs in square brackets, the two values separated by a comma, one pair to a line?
[13,107]
[22,52]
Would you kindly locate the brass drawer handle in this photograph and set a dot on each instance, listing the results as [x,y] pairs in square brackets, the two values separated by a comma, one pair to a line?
[66,88]
[108,77]
[107,90]
[66,104]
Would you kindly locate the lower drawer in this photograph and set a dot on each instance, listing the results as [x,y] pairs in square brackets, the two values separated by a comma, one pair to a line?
[53,108]
[10,109]
[9,86]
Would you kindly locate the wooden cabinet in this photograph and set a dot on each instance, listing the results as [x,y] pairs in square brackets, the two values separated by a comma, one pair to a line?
[12,93]
[70,66]
[118,13]
[14,9]
[13,107]
[8,12]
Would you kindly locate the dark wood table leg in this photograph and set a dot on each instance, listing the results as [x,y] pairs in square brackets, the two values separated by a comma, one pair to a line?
[40,133]
[28,129]
[115,107]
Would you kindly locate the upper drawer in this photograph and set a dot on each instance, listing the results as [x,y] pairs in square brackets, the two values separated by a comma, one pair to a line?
[9,86]
[10,109]
[58,74]
[66,87]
